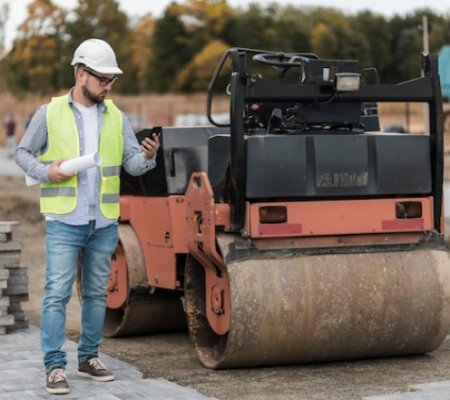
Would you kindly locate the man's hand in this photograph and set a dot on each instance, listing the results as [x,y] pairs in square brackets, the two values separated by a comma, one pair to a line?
[56,174]
[150,146]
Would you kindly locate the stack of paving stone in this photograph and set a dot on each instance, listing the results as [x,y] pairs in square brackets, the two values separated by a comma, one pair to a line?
[13,281]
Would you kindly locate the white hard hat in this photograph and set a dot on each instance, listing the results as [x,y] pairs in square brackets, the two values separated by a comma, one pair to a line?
[97,55]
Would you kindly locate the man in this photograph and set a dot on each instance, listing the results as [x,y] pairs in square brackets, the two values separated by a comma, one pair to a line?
[10,128]
[81,209]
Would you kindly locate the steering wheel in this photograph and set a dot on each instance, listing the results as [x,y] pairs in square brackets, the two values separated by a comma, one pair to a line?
[283,59]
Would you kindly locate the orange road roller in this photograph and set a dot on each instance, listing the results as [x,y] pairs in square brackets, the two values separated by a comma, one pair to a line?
[295,232]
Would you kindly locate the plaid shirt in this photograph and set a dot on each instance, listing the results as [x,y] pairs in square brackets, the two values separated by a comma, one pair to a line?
[34,142]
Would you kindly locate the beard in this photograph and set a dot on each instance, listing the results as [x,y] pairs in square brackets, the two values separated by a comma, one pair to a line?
[95,98]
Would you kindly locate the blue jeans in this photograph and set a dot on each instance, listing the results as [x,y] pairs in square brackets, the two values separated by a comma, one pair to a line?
[66,245]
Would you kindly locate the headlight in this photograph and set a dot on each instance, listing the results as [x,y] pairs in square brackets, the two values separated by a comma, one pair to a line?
[347,81]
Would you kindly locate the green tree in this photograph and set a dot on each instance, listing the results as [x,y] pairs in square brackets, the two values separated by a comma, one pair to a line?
[408,45]
[405,47]
[197,73]
[142,36]
[272,28]
[293,29]
[4,13]
[179,50]
[182,32]
[377,35]
[169,52]
[323,40]
[35,62]
[334,37]
[438,28]
[254,28]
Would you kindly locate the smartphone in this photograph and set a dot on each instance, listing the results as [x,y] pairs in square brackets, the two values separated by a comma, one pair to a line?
[155,129]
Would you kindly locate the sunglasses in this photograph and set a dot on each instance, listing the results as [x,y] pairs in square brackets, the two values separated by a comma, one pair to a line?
[103,80]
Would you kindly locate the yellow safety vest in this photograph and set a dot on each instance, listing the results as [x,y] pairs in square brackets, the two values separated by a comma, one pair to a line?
[63,143]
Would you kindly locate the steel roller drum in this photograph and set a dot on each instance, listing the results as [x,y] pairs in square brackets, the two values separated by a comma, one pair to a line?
[146,310]
[145,314]
[311,308]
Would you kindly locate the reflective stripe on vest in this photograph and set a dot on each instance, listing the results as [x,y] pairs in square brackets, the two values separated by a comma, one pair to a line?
[110,198]
[111,150]
[63,143]
[111,171]
[58,191]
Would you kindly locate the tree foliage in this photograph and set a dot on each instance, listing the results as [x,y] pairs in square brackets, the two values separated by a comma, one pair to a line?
[168,55]
[182,32]
[377,37]
[254,28]
[197,73]
[141,51]
[178,51]
[36,58]
[4,14]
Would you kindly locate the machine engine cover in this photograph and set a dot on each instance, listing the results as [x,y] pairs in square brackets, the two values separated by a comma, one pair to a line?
[337,165]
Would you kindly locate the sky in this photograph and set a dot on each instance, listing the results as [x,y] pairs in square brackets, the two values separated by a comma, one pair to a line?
[18,8]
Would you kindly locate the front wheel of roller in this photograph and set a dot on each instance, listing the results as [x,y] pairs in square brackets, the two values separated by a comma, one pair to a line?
[309,308]
[209,345]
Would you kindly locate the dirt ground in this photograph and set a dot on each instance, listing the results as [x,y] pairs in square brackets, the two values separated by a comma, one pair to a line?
[172,356]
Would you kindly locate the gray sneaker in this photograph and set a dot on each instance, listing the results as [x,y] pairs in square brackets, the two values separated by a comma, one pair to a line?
[95,370]
[56,382]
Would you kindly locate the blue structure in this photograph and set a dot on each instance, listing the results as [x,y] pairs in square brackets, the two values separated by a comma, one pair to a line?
[444,70]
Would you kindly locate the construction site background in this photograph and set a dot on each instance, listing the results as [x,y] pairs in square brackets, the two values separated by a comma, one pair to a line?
[145,111]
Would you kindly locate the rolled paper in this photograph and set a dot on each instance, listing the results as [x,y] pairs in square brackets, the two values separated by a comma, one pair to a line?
[74,165]
[81,163]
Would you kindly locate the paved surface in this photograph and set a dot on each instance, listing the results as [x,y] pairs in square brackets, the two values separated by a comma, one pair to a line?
[22,375]
[426,391]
